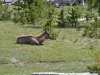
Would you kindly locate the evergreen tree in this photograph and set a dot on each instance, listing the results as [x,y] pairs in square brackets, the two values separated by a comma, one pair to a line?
[49,23]
[92,4]
[91,29]
[5,14]
[61,19]
[73,16]
[32,11]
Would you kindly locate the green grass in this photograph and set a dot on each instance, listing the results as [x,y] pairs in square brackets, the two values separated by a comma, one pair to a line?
[61,55]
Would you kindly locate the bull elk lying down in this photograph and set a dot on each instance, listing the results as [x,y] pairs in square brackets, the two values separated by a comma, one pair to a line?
[33,40]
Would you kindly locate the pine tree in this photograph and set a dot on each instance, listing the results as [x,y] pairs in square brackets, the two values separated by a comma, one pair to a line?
[74,14]
[61,19]
[91,29]
[92,5]
[48,26]
[32,11]
[5,14]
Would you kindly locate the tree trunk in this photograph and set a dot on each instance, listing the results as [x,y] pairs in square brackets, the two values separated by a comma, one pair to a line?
[4,1]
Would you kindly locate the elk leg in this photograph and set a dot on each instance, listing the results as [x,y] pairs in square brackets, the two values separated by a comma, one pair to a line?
[33,41]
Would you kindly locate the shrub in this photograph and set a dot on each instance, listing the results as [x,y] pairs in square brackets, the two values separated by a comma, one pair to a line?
[73,16]
[61,20]
[5,14]
[96,55]
[31,11]
[91,29]
[48,27]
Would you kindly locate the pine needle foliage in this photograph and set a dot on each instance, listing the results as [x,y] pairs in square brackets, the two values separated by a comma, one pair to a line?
[74,14]
[61,19]
[32,11]
[5,14]
[92,29]
[49,23]
[95,68]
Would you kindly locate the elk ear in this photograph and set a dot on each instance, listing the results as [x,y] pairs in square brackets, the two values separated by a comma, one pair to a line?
[44,29]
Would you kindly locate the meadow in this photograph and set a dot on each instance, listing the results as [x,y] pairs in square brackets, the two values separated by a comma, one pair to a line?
[69,53]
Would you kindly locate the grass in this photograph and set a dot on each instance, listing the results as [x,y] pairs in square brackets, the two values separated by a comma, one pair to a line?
[61,55]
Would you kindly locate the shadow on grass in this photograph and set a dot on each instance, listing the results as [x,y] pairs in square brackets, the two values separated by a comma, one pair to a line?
[55,26]
[72,27]
[31,26]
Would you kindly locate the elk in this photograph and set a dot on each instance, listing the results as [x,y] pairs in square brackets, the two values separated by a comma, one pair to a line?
[33,40]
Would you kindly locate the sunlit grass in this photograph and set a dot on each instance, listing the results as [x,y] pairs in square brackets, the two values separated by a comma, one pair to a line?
[61,55]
